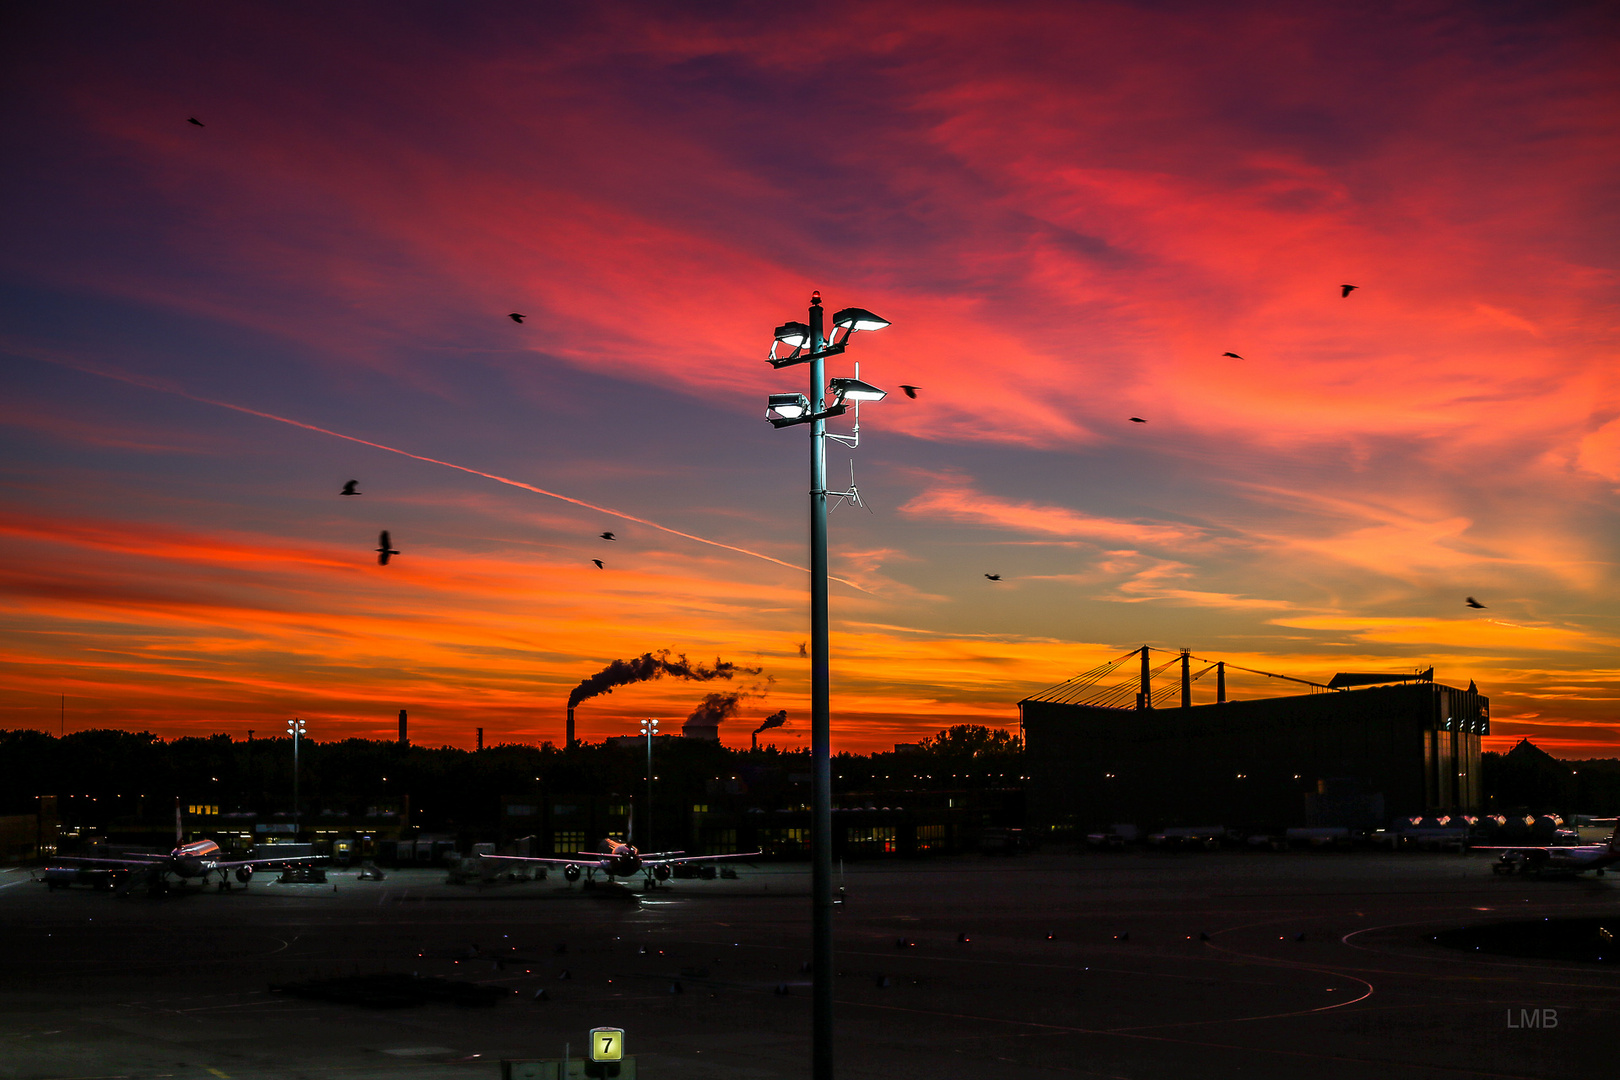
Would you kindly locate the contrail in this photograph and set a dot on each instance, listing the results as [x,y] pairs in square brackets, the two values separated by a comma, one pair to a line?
[154,385]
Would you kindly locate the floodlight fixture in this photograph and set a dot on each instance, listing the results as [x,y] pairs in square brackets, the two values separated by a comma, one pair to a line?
[854,318]
[856,390]
[793,334]
[787,407]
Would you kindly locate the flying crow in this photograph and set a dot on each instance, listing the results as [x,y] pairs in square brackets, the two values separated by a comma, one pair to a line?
[609,536]
[911,391]
[348,488]
[993,577]
[1137,420]
[1347,290]
[194,120]
[1233,355]
[1474,603]
[802,650]
[515,317]
[598,563]
[385,548]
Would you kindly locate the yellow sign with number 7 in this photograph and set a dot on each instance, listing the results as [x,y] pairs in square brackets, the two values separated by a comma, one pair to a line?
[607,1044]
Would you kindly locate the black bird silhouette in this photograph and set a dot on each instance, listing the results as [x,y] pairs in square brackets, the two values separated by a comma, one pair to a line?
[385,548]
[1233,355]
[1474,603]
[802,650]
[993,577]
[609,536]
[515,317]
[194,120]
[1137,420]
[598,563]
[1347,290]
[911,391]
[348,488]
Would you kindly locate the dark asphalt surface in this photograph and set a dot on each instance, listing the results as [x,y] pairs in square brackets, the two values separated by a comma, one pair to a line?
[95,986]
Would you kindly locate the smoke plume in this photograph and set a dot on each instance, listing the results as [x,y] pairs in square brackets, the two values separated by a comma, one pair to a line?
[654,666]
[776,719]
[714,708]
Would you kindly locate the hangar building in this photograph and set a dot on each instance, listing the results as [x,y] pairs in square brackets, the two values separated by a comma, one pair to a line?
[1363,750]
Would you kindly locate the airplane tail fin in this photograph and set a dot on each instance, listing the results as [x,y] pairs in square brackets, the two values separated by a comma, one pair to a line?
[179,830]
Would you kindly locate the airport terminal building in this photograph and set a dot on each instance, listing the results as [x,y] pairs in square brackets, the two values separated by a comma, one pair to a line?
[1361,751]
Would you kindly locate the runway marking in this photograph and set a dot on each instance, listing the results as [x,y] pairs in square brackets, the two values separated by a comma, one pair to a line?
[1241,1048]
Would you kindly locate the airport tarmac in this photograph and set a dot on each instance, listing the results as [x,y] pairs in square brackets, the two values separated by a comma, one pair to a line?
[1047,984]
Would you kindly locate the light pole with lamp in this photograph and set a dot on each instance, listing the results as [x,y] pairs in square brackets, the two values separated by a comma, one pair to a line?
[296,729]
[788,410]
[649,728]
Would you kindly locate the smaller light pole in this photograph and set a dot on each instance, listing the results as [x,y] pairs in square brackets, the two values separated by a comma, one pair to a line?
[649,728]
[296,729]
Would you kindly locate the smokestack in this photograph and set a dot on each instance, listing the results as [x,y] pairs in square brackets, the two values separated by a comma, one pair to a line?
[404,739]
[570,743]
[480,738]
[776,719]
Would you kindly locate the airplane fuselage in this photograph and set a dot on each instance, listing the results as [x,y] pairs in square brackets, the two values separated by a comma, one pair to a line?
[622,861]
[1573,860]
[193,860]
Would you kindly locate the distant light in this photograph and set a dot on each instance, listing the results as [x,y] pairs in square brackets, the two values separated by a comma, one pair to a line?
[854,318]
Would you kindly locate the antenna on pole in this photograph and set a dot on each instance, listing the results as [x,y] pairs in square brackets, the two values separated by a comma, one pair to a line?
[853,494]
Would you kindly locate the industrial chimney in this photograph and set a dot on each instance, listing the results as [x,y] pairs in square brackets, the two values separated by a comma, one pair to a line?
[404,739]
[570,743]
[480,738]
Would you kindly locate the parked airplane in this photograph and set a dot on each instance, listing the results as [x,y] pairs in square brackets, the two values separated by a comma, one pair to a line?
[197,859]
[1558,860]
[620,859]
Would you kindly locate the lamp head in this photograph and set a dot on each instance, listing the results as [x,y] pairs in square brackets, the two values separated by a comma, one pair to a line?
[795,335]
[856,390]
[787,407]
[854,318]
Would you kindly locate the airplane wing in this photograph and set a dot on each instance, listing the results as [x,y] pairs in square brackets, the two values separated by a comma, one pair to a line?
[128,860]
[594,860]
[671,858]
[234,863]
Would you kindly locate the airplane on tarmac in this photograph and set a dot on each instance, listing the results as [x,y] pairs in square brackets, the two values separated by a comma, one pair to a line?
[197,859]
[1558,860]
[620,859]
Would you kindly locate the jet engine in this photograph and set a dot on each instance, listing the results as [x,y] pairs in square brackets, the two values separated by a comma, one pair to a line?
[244,873]
[571,872]
[661,871]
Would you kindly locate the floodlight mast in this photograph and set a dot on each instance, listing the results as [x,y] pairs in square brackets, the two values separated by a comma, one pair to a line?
[821,897]
[787,411]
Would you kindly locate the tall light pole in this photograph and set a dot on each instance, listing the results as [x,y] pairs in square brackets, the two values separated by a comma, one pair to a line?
[649,728]
[787,410]
[296,729]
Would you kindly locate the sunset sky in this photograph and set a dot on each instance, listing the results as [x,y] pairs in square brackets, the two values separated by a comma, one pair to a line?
[1069,212]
